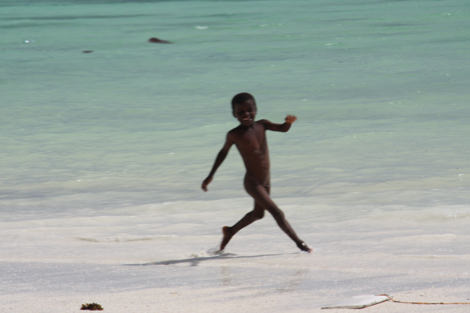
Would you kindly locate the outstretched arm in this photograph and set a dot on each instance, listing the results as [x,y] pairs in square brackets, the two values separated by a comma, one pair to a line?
[289,120]
[218,160]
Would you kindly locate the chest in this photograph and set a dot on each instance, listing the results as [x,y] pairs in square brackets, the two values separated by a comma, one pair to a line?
[252,139]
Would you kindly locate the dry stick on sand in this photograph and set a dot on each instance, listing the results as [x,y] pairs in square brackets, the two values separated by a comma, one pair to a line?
[417,302]
[361,302]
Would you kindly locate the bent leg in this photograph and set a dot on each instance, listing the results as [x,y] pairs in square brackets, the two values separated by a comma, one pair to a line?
[262,198]
[228,232]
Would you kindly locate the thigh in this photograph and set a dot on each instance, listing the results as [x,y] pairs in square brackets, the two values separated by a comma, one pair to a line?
[260,193]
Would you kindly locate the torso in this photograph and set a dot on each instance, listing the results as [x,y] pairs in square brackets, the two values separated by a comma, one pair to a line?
[253,148]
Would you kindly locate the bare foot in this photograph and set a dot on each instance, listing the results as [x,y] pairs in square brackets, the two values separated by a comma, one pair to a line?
[227,235]
[303,246]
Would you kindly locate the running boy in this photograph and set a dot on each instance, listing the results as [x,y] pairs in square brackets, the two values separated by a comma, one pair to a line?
[250,139]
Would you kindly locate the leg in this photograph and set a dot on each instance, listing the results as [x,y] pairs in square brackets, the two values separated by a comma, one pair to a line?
[250,217]
[261,196]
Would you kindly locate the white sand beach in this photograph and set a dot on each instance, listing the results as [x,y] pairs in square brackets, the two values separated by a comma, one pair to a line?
[149,262]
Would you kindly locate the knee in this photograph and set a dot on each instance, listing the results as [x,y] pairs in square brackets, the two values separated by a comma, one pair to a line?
[277,214]
[258,214]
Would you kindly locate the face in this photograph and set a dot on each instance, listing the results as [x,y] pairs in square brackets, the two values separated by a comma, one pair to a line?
[245,112]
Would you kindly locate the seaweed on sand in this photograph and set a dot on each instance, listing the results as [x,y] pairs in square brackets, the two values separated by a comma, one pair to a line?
[92,307]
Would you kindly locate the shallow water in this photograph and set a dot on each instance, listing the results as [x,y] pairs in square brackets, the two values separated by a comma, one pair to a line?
[380,89]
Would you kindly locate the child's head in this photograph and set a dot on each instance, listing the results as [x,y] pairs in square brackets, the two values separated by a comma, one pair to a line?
[242,98]
[244,108]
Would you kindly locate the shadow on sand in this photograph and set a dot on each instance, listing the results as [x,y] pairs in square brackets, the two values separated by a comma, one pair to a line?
[194,261]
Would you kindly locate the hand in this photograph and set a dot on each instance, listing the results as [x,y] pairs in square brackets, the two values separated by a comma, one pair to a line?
[206,182]
[291,119]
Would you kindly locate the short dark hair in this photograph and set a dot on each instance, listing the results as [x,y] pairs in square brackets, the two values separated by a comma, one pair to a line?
[240,98]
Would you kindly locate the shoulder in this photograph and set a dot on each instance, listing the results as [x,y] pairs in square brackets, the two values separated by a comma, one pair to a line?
[233,133]
[264,123]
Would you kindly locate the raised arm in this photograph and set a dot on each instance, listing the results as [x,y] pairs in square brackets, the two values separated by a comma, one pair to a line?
[289,120]
[218,160]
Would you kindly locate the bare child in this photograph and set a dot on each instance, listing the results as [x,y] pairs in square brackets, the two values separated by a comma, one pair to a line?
[250,139]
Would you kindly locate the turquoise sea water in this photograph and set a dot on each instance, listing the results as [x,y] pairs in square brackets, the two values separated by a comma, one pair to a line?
[380,89]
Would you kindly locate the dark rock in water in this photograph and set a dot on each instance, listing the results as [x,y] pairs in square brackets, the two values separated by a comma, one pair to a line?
[87,51]
[158,40]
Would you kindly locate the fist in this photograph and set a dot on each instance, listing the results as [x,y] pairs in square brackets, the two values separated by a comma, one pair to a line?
[291,119]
